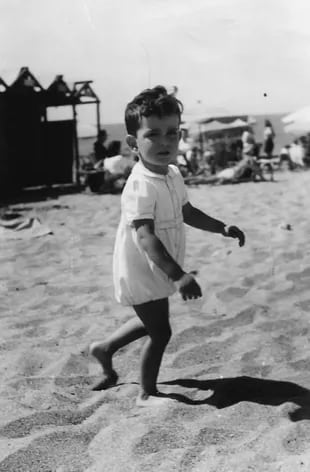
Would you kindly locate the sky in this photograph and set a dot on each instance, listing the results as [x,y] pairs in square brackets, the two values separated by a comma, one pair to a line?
[225,56]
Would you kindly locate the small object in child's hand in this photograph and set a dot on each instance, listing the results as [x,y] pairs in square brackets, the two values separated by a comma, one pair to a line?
[286,226]
[235,232]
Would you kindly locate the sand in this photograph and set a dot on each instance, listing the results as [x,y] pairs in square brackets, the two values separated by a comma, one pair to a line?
[238,364]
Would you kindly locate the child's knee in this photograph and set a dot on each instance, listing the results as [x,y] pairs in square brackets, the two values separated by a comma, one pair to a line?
[168,335]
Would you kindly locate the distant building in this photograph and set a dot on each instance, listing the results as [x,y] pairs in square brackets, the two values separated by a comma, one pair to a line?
[33,150]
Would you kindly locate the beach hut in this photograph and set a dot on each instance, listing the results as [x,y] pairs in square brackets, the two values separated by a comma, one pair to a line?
[35,151]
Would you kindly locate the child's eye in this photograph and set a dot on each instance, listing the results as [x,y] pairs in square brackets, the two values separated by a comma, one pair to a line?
[173,132]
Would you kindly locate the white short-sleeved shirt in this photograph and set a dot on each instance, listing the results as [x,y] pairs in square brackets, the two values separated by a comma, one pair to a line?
[148,195]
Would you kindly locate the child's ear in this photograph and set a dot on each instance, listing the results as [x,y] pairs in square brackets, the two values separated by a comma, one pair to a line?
[131,141]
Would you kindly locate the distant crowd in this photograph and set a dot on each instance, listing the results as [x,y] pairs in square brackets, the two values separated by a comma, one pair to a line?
[238,156]
[218,158]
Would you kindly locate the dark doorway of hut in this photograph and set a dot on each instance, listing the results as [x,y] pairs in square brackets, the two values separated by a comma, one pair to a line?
[59,155]
[37,152]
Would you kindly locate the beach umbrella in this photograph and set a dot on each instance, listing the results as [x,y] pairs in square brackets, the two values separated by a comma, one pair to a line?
[216,125]
[298,128]
[302,115]
[298,122]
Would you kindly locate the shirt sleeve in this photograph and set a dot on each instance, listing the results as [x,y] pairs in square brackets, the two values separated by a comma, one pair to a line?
[138,200]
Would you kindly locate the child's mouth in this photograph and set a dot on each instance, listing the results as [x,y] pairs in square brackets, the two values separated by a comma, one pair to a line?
[164,153]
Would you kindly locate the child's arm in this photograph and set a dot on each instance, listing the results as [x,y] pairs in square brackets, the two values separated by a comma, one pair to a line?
[157,252]
[198,219]
[155,249]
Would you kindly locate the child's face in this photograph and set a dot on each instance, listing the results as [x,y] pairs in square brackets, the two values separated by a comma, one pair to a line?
[157,141]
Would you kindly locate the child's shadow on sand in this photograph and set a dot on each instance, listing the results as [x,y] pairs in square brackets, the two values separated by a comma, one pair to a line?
[229,391]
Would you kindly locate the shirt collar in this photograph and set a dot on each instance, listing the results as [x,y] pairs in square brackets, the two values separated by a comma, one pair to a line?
[142,170]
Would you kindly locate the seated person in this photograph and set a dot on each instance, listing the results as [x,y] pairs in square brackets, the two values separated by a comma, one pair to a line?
[117,167]
[285,157]
[246,169]
[297,154]
[118,163]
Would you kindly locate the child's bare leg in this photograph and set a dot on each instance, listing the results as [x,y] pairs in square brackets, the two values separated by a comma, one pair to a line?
[103,351]
[155,317]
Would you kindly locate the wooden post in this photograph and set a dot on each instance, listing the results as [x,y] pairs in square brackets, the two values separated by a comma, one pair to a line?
[47,177]
[201,140]
[76,166]
[98,117]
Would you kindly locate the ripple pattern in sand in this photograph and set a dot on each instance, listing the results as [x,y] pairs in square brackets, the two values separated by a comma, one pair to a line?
[237,364]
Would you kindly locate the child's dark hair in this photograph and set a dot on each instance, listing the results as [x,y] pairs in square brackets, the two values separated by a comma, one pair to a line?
[155,101]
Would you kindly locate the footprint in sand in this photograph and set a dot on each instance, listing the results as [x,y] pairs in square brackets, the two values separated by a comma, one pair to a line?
[191,457]
[256,370]
[32,383]
[184,413]
[80,381]
[202,354]
[243,318]
[29,324]
[195,334]
[213,436]
[31,363]
[303,305]
[301,365]
[61,450]
[207,437]
[289,256]
[26,425]
[276,326]
[251,355]
[231,293]
[299,277]
[73,375]
[159,439]
[74,365]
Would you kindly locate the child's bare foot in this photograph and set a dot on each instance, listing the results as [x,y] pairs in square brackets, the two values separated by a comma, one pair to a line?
[107,382]
[100,352]
[153,400]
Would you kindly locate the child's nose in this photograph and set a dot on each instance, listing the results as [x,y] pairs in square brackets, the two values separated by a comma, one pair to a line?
[166,139]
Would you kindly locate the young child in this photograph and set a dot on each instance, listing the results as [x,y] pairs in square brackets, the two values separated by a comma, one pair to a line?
[150,241]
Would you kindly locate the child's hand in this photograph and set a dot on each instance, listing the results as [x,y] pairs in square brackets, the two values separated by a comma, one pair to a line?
[235,232]
[188,287]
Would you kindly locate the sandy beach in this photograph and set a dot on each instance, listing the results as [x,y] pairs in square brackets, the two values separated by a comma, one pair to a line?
[238,364]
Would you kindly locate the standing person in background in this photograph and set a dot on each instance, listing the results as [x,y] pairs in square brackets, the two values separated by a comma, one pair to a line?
[100,150]
[268,137]
[95,179]
[250,154]
[248,142]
